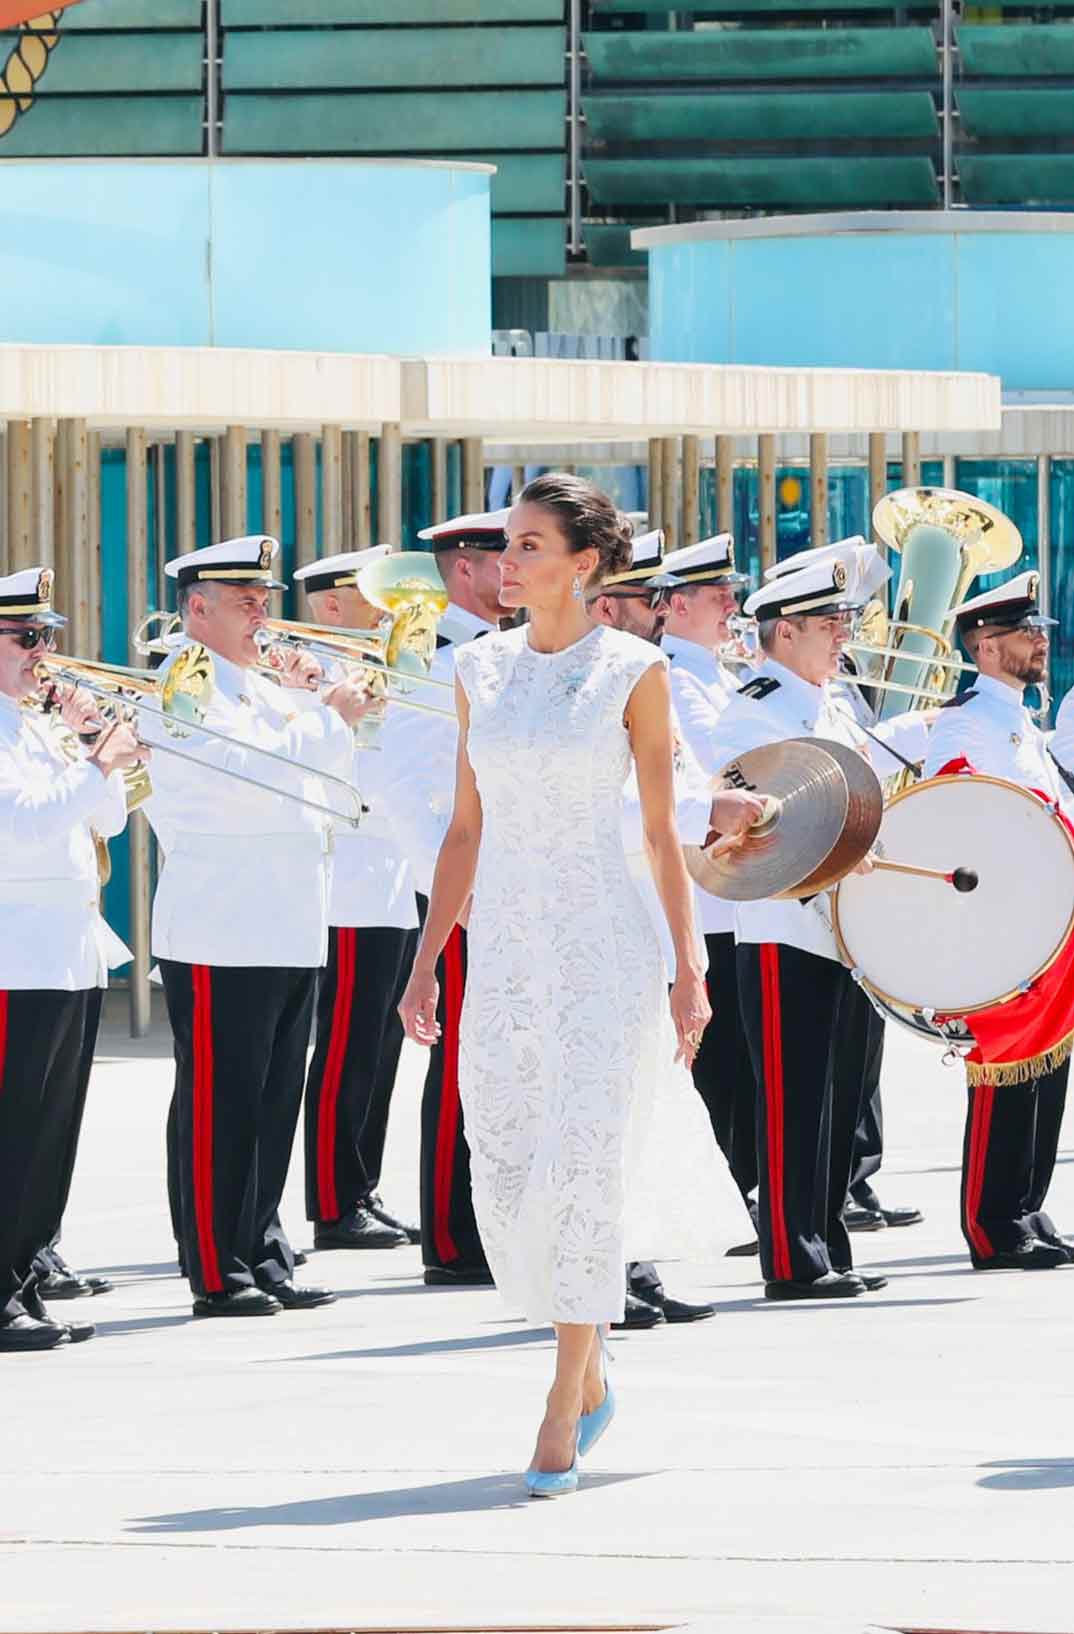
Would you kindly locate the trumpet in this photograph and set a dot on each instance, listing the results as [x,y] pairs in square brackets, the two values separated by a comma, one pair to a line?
[180,700]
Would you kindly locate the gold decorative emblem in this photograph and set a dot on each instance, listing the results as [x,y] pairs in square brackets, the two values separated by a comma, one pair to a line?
[730,553]
[1016,738]
[839,575]
[265,560]
[26,62]
[44,586]
[1032,586]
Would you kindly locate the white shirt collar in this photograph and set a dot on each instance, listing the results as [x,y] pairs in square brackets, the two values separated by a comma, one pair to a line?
[999,692]
[801,694]
[692,651]
[457,625]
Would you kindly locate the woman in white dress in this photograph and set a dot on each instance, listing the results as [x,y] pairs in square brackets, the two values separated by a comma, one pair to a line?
[565,1022]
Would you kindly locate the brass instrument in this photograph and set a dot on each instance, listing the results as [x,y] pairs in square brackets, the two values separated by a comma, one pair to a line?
[180,699]
[945,538]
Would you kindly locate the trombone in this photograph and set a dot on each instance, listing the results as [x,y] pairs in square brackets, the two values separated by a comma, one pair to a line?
[184,693]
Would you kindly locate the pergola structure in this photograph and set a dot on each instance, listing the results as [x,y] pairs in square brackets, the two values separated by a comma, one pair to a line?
[61,405]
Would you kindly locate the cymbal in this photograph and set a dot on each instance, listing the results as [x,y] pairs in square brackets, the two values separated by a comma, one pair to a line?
[865,809]
[813,801]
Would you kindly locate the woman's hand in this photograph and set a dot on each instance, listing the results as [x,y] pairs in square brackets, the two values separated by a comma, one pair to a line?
[691,1012]
[417,1007]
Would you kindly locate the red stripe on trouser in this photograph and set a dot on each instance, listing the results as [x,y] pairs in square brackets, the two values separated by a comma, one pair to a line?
[447,1129]
[203,1128]
[772,1035]
[980,1133]
[328,1104]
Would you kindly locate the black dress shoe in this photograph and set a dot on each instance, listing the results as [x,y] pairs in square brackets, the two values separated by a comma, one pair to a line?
[873,1281]
[902,1216]
[299,1257]
[26,1333]
[59,1286]
[742,1251]
[358,1229]
[864,1219]
[639,1314]
[458,1276]
[243,1302]
[300,1299]
[376,1208]
[34,1306]
[1032,1255]
[55,1262]
[833,1285]
[677,1310]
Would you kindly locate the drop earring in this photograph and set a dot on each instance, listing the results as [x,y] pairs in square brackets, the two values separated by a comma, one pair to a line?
[576,587]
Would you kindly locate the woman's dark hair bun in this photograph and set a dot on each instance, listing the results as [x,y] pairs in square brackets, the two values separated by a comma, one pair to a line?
[587,517]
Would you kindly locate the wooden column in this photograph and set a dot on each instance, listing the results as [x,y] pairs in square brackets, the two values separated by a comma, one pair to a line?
[331,491]
[74,530]
[438,466]
[656,482]
[233,484]
[670,503]
[95,647]
[360,502]
[272,501]
[766,498]
[42,492]
[138,828]
[304,457]
[216,506]
[473,476]
[20,538]
[878,474]
[390,483]
[725,484]
[186,504]
[691,490]
[911,459]
[818,488]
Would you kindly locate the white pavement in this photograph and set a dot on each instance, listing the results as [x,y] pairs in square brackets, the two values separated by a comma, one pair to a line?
[902,1460]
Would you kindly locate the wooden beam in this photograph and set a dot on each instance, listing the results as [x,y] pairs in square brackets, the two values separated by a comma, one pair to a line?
[390,484]
[186,502]
[911,459]
[272,501]
[361,490]
[332,491]
[656,482]
[878,475]
[670,503]
[691,490]
[766,498]
[233,508]
[216,504]
[473,476]
[304,458]
[75,529]
[818,488]
[725,484]
[95,645]
[42,491]
[20,539]
[138,828]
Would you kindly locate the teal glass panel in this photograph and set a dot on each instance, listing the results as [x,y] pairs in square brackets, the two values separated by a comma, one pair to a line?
[1061,604]
[1011,486]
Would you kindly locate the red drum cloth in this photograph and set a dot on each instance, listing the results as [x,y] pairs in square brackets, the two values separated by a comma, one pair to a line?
[1025,1037]
[13,12]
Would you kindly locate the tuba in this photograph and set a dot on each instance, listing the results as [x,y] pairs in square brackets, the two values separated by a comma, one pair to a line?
[945,539]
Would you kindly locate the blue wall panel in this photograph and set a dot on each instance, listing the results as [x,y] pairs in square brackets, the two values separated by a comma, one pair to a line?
[345,256]
[989,300]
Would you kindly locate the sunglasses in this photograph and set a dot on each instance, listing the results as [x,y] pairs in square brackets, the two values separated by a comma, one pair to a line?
[651,598]
[31,638]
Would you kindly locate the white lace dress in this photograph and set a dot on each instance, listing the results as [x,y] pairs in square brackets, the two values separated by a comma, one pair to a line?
[565,1024]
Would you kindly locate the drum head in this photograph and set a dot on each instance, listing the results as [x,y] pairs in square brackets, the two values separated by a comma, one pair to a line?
[921,943]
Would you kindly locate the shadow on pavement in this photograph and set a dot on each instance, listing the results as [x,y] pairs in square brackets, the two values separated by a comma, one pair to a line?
[870,1302]
[142,1324]
[1028,1474]
[434,1347]
[480,1493]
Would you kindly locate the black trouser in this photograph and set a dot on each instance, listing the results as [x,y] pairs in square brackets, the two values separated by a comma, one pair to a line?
[352,1072]
[47,1038]
[803,1019]
[1008,1156]
[723,1070]
[449,1235]
[240,1054]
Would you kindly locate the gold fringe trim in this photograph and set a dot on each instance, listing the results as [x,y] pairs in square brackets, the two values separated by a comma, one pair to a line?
[26,62]
[1004,1073]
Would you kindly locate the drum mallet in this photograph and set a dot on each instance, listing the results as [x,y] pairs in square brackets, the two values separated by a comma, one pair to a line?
[963,879]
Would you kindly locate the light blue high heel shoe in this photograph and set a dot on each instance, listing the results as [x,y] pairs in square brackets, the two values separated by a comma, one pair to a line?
[591,1426]
[552,1483]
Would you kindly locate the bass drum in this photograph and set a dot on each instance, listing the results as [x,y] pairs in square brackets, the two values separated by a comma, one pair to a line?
[924,950]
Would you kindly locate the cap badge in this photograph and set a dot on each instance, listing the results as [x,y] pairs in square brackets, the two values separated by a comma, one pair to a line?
[1033,585]
[730,553]
[44,585]
[839,575]
[265,559]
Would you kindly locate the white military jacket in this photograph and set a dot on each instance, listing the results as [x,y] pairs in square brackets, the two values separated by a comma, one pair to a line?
[55,936]
[991,726]
[246,874]
[778,704]
[372,881]
[701,689]
[1061,742]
